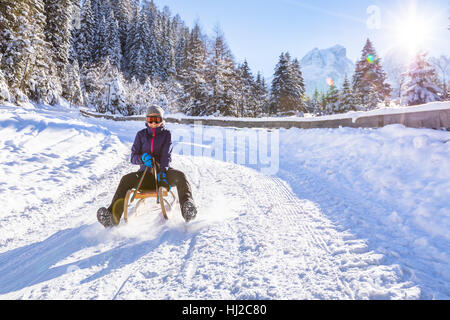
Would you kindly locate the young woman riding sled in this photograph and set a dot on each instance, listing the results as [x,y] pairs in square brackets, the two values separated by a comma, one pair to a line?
[152,146]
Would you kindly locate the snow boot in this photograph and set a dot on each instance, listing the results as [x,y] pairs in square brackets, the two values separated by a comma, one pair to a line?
[104,216]
[188,210]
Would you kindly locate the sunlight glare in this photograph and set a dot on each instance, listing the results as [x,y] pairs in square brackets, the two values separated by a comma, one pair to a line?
[413,33]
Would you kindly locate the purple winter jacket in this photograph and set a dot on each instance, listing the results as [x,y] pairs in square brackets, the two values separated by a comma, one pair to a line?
[157,142]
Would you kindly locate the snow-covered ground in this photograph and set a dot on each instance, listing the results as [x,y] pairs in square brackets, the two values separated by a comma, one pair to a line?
[326,214]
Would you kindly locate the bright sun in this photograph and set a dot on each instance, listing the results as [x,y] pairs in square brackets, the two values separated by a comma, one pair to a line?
[413,32]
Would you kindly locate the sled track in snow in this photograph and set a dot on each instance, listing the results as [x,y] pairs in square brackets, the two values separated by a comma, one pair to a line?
[276,246]
[309,246]
[253,239]
[365,218]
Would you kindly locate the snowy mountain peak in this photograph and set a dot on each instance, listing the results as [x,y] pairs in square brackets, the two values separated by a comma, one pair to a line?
[339,50]
[320,64]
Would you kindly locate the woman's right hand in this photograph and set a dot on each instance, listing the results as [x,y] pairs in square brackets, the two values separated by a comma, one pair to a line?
[147,160]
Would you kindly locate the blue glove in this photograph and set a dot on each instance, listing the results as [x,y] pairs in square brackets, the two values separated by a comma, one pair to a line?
[147,160]
[162,181]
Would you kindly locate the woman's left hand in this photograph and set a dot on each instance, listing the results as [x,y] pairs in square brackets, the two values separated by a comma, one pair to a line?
[162,181]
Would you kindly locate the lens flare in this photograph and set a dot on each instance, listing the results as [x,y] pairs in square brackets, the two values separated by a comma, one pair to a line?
[370,58]
[330,82]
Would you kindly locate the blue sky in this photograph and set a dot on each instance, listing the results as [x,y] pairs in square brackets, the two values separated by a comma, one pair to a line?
[260,30]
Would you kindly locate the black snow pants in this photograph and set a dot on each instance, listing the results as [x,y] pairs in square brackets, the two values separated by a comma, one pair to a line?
[175,178]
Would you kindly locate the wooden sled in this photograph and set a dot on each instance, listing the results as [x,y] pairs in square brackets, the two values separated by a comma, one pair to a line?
[161,198]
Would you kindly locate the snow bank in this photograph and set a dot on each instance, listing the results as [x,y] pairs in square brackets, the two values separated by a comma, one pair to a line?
[434,115]
[406,168]
[354,115]
[46,152]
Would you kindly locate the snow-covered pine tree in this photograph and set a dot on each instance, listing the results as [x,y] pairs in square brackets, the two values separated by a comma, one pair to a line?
[181,40]
[421,82]
[246,92]
[16,46]
[222,78]
[123,12]
[171,93]
[152,40]
[397,75]
[91,82]
[103,85]
[4,90]
[171,47]
[442,64]
[332,100]
[85,36]
[72,84]
[299,86]
[43,84]
[112,42]
[280,78]
[101,42]
[322,105]
[75,15]
[152,62]
[139,96]
[369,80]
[58,35]
[287,87]
[166,44]
[112,91]
[262,95]
[129,44]
[445,91]
[192,77]
[134,97]
[103,16]
[346,100]
[313,102]
[154,57]
[26,58]
[4,30]
[139,66]
[6,24]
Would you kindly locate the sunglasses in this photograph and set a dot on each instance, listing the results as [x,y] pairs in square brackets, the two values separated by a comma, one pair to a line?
[154,119]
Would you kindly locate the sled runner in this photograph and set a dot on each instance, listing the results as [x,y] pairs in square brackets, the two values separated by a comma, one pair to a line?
[161,198]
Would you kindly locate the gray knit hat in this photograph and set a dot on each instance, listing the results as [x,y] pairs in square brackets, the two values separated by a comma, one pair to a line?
[154,109]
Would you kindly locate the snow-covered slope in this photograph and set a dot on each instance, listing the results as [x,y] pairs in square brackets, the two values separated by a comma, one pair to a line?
[319,65]
[349,214]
